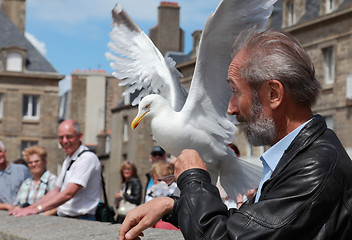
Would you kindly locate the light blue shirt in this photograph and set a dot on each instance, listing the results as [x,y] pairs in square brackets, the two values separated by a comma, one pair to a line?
[10,181]
[272,156]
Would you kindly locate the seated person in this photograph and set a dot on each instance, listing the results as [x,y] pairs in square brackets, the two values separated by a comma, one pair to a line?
[11,177]
[41,182]
[164,186]
[157,154]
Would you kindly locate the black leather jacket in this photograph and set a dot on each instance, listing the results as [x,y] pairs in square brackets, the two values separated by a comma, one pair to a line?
[133,192]
[309,196]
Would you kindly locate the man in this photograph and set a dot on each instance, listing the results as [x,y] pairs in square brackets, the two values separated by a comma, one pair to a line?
[78,187]
[11,177]
[306,189]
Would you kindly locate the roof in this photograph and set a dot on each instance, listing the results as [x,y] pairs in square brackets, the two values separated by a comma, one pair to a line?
[11,36]
[314,9]
[179,57]
[276,17]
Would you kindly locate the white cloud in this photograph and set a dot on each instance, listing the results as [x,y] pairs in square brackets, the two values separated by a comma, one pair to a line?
[75,12]
[40,46]
[78,11]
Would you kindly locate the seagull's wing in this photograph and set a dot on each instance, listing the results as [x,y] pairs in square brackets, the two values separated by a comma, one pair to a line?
[209,95]
[140,65]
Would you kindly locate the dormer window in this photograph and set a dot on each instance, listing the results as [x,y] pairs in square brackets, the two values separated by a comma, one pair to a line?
[291,13]
[329,6]
[13,59]
[14,62]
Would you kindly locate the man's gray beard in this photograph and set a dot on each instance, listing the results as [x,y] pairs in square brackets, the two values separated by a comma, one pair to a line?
[261,129]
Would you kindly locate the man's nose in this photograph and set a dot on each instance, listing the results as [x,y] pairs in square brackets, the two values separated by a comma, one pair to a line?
[232,108]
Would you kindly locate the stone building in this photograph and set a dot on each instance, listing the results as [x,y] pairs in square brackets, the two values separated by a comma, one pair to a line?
[93,95]
[324,28]
[28,89]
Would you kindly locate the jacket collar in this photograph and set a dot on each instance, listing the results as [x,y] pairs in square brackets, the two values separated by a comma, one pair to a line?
[307,135]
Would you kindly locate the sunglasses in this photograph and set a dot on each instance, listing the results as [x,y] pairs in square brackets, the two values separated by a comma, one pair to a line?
[168,179]
[157,154]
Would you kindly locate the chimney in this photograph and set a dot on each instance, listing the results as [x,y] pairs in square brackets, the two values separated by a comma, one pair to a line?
[167,34]
[16,11]
[196,39]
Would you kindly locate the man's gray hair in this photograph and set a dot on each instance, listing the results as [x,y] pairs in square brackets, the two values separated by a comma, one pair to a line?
[76,127]
[274,55]
[2,146]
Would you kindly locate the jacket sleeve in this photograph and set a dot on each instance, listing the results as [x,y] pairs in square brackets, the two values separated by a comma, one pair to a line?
[199,211]
[136,191]
[286,211]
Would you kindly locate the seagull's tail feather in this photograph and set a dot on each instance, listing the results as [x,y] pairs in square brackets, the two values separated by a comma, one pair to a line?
[237,176]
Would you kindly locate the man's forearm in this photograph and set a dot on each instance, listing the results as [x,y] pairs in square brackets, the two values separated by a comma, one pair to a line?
[47,196]
[56,198]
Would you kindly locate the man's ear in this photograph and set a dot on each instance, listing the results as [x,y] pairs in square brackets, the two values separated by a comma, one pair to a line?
[80,136]
[276,91]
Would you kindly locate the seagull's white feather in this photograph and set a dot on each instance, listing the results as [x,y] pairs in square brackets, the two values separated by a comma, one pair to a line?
[138,62]
[200,122]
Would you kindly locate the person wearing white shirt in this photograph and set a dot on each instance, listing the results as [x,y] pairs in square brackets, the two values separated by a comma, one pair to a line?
[78,187]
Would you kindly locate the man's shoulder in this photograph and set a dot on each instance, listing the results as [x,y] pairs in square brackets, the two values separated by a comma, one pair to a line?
[84,152]
[18,168]
[88,154]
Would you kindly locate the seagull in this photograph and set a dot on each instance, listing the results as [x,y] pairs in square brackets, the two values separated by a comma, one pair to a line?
[196,118]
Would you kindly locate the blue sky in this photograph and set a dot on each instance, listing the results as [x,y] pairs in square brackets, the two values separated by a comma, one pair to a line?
[74,34]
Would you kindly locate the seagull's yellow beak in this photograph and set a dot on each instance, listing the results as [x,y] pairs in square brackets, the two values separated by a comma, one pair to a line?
[137,120]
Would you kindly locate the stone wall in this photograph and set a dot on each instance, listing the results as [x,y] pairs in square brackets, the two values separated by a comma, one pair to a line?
[37,227]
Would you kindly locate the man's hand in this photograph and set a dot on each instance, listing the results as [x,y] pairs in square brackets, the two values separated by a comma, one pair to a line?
[144,216]
[18,212]
[188,159]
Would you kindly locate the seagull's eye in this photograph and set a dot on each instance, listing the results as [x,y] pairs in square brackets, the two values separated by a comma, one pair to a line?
[147,106]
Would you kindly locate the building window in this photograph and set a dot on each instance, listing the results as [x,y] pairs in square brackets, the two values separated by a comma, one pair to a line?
[107,144]
[127,98]
[291,13]
[31,107]
[329,6]
[63,106]
[1,105]
[14,62]
[329,65]
[125,129]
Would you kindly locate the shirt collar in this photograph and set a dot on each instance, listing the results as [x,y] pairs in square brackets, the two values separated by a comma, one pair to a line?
[45,177]
[8,169]
[79,149]
[273,155]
